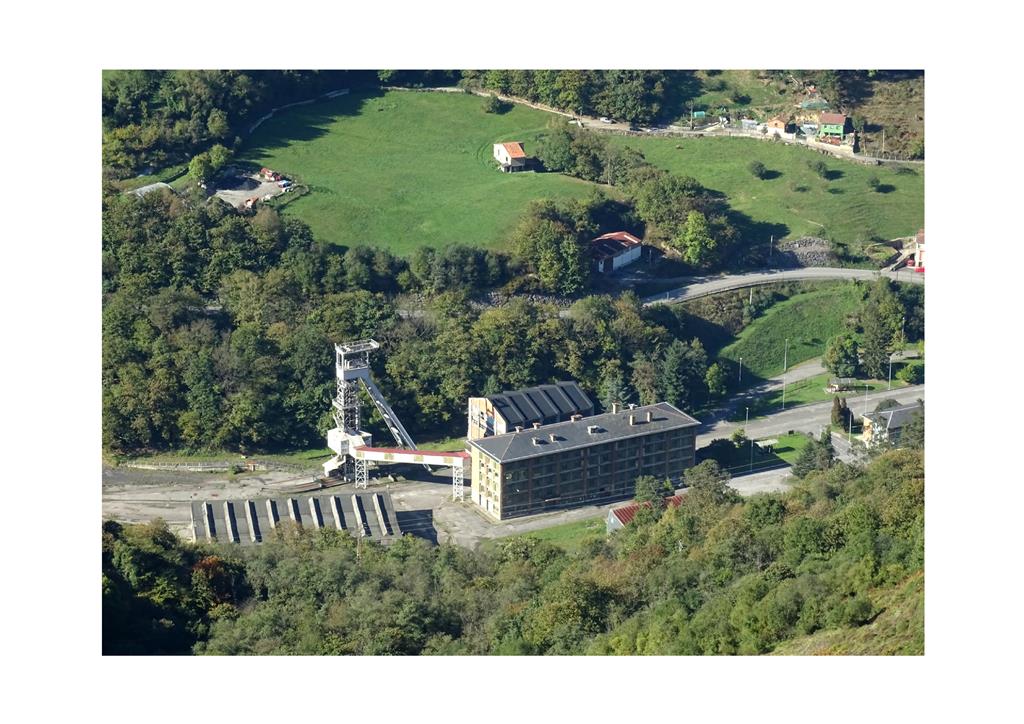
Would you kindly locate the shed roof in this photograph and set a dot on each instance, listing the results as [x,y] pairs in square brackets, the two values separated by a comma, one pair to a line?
[626,513]
[573,435]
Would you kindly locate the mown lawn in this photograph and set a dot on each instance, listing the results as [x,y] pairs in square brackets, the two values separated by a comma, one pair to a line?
[406,169]
[796,198]
[807,320]
[568,536]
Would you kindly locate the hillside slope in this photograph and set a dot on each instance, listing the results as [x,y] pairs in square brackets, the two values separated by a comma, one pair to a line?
[897,630]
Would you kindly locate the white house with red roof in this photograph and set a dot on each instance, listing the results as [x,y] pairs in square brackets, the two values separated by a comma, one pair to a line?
[614,251]
[510,155]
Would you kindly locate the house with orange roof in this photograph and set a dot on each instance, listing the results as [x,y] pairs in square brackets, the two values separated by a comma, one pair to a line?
[510,156]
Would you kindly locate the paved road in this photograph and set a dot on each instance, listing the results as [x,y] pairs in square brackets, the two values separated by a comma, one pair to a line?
[806,418]
[694,287]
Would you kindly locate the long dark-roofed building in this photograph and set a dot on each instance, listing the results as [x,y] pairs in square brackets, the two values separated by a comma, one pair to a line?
[543,405]
[584,461]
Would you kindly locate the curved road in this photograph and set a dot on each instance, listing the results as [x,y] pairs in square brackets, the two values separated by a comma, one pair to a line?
[704,286]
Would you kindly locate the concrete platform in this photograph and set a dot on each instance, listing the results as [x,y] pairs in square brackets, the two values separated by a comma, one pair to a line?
[365,514]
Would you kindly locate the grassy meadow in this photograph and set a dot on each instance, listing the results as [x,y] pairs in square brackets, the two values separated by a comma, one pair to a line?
[406,169]
[794,197]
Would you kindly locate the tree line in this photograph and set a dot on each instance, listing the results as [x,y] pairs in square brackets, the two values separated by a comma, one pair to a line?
[218,326]
[718,574]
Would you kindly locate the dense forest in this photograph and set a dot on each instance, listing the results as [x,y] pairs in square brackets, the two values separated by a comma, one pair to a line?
[717,575]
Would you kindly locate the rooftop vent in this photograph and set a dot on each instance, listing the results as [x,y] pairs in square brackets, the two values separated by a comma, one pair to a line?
[615,407]
[592,429]
[632,419]
[650,416]
[519,428]
[631,405]
[553,437]
[576,418]
[537,441]
[536,426]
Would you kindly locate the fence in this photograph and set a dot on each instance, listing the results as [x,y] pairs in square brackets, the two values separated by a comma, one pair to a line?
[211,467]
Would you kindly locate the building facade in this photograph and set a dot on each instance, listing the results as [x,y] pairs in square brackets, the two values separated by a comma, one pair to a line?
[510,155]
[544,405]
[886,426]
[585,461]
[614,251]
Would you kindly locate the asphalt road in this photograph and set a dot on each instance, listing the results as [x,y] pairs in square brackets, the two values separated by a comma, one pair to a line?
[806,418]
[694,287]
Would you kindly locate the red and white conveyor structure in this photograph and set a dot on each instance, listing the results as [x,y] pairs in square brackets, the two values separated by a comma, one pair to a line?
[352,445]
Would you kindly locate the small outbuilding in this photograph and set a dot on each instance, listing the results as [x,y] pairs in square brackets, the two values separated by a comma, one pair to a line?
[832,126]
[614,251]
[510,156]
[621,517]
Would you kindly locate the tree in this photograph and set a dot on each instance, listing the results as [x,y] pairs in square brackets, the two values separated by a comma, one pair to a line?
[613,388]
[912,435]
[696,242]
[876,342]
[912,374]
[682,374]
[873,182]
[217,124]
[840,412]
[200,168]
[709,479]
[757,169]
[819,167]
[493,104]
[841,356]
[219,157]
[648,489]
[816,455]
[715,380]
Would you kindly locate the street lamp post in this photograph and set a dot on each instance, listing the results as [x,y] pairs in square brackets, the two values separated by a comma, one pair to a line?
[746,428]
[785,366]
[740,378]
[865,399]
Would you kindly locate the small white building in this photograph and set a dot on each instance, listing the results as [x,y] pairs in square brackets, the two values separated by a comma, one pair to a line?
[614,251]
[510,155]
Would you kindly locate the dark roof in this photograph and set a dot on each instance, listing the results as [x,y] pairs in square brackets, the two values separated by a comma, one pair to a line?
[544,403]
[575,434]
[613,244]
[894,418]
[626,513]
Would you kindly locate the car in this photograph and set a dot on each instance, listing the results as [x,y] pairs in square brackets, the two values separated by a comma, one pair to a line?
[606,119]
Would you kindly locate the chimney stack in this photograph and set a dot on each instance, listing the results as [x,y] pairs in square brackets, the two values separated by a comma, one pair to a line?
[537,441]
[650,416]
[519,428]
[632,419]
[576,418]
[615,407]
[591,429]
[536,426]
[552,437]
[631,405]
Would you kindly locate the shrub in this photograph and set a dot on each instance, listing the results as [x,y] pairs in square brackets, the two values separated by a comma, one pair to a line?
[873,182]
[819,167]
[912,374]
[757,169]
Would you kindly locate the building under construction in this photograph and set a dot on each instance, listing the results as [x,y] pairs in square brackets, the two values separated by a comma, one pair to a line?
[586,460]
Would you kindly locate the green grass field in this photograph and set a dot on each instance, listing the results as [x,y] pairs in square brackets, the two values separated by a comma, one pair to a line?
[788,447]
[844,209]
[571,535]
[807,320]
[405,169]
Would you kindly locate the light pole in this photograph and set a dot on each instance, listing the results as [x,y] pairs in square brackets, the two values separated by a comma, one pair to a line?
[865,399]
[785,366]
[740,378]
[746,428]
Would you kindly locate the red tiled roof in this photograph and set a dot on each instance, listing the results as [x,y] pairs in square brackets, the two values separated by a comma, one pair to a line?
[613,244]
[776,123]
[626,513]
[515,149]
[833,118]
